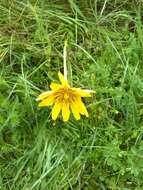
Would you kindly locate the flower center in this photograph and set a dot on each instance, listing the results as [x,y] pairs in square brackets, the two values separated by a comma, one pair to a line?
[66,96]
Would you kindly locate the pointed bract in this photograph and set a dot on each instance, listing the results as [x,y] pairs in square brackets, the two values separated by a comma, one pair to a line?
[62,79]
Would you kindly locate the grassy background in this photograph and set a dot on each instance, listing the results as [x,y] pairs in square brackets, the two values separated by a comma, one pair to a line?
[105,53]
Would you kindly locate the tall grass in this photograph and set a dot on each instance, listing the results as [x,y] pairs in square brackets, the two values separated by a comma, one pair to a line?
[105,42]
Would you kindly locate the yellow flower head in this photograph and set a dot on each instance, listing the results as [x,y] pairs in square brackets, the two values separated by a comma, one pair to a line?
[64,98]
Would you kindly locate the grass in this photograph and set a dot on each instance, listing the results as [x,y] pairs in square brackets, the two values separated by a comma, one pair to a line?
[105,42]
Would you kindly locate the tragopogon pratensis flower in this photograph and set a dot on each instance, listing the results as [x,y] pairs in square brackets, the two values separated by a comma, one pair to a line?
[65,99]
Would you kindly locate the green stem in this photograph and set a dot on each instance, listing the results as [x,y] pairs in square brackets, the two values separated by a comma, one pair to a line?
[65,57]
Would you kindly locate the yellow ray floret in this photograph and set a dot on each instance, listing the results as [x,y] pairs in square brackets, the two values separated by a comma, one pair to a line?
[65,99]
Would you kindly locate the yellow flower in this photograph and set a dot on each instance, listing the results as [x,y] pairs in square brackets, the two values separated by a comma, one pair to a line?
[64,98]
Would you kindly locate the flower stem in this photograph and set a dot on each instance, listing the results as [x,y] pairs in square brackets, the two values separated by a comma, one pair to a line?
[64,57]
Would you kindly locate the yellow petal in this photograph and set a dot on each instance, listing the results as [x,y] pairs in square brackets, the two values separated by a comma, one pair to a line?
[56,110]
[84,93]
[62,79]
[43,95]
[47,102]
[75,111]
[55,86]
[65,111]
[81,107]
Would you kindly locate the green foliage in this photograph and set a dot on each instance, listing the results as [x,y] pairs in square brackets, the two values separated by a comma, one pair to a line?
[105,42]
